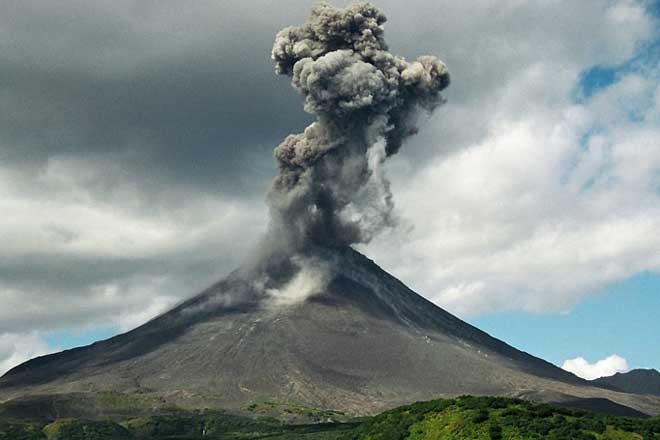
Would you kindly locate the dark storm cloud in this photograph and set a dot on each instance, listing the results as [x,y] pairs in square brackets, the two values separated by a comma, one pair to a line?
[134,83]
[193,128]
[138,111]
[122,122]
[59,291]
[178,92]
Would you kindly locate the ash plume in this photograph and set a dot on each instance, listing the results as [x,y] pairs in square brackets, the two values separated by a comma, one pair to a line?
[331,189]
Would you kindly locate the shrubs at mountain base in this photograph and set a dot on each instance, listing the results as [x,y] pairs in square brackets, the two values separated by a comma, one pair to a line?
[74,429]
[180,426]
[486,418]
[20,430]
[464,418]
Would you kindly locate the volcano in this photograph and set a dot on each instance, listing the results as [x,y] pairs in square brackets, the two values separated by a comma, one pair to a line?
[362,343]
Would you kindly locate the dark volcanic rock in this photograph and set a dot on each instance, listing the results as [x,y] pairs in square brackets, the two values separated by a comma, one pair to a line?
[605,406]
[640,381]
[364,343]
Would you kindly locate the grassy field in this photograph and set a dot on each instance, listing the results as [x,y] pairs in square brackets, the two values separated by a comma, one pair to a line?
[469,418]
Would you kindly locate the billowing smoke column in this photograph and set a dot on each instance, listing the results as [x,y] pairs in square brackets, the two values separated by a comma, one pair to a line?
[331,190]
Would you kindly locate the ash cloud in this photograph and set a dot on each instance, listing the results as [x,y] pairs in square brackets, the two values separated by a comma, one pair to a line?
[331,189]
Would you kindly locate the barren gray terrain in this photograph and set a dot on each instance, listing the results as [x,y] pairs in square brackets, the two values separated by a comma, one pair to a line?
[364,343]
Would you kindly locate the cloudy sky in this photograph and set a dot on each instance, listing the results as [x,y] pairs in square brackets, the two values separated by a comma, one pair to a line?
[136,146]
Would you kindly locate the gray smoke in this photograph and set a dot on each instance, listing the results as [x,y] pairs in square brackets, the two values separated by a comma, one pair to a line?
[331,189]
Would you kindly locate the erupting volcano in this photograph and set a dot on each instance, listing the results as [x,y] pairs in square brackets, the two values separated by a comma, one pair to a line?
[308,320]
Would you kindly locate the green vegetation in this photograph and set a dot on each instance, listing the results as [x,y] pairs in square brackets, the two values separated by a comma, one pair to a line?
[109,400]
[179,426]
[74,429]
[473,418]
[293,411]
[492,418]
[20,430]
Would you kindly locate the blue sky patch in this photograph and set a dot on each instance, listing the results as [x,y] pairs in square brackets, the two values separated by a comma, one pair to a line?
[621,319]
[65,339]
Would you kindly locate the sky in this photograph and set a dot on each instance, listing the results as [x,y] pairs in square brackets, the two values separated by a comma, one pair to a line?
[136,144]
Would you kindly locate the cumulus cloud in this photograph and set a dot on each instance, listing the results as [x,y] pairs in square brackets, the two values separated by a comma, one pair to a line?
[605,367]
[128,177]
[73,255]
[556,197]
[19,347]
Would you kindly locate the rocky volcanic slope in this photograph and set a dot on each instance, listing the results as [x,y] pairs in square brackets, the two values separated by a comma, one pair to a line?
[639,381]
[365,343]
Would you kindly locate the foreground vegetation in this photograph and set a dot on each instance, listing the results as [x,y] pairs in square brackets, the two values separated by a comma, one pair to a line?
[477,418]
[472,418]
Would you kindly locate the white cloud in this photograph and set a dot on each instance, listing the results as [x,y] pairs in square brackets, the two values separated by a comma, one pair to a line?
[157,305]
[550,199]
[73,255]
[605,367]
[60,211]
[17,348]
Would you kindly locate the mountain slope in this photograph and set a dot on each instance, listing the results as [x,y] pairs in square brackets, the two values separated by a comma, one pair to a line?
[639,381]
[364,343]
